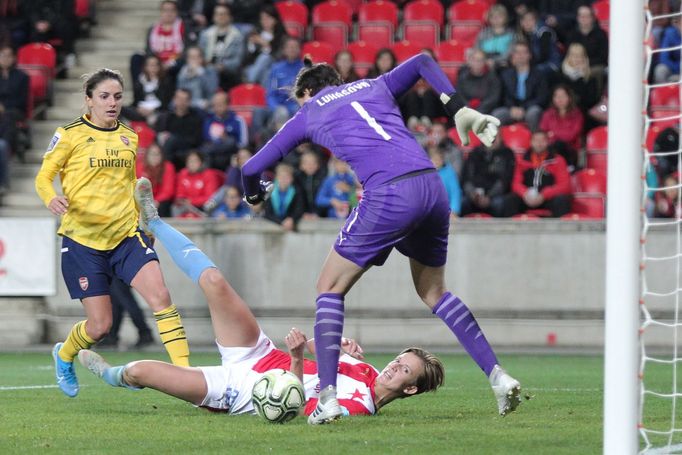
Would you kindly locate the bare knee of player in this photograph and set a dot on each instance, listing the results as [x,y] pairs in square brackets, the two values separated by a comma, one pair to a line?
[158,299]
[429,282]
[338,277]
[135,373]
[98,327]
[213,283]
[431,295]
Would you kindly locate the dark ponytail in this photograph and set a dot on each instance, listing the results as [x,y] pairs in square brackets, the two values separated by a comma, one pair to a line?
[315,77]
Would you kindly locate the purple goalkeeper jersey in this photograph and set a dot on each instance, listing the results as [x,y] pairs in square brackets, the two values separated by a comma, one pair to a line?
[360,123]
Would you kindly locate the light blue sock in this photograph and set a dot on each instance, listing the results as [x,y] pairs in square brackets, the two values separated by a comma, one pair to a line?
[184,253]
[114,377]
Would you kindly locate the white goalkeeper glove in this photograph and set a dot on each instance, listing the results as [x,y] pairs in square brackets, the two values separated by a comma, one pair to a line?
[466,119]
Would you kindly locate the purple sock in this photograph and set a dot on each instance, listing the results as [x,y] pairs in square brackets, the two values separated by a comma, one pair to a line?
[459,319]
[328,331]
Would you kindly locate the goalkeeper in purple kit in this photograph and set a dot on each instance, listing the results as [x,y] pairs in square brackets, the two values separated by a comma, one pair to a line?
[404,204]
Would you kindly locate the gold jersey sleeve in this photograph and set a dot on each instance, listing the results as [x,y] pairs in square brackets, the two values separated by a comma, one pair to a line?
[96,167]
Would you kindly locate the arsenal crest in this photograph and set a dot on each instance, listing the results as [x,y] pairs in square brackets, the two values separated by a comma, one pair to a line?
[83,281]
[125,140]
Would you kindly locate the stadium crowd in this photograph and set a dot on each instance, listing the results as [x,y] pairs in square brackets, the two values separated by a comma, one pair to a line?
[211,87]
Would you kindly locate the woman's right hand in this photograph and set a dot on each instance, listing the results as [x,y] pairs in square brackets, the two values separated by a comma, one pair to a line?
[58,205]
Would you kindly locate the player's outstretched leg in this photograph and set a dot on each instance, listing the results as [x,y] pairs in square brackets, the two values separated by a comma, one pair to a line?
[65,373]
[96,364]
[430,285]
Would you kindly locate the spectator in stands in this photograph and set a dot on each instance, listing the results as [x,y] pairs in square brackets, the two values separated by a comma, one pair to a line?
[575,73]
[152,92]
[668,200]
[558,14]
[594,39]
[282,76]
[438,137]
[669,64]
[162,175]
[667,142]
[478,84]
[179,130]
[660,8]
[262,44]
[286,204]
[14,86]
[496,38]
[223,46]
[232,206]
[233,178]
[384,62]
[195,185]
[197,15]
[223,132]
[449,177]
[6,137]
[165,39]
[54,21]
[343,63]
[542,41]
[487,178]
[337,193]
[525,90]
[14,23]
[563,123]
[541,180]
[198,77]
[309,177]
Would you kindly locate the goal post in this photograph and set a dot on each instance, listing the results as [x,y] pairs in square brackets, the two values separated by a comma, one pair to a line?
[623,225]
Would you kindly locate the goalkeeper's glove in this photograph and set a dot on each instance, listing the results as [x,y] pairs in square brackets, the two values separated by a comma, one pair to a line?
[466,119]
[263,194]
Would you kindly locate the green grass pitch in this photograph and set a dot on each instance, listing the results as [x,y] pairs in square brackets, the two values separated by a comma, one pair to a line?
[563,415]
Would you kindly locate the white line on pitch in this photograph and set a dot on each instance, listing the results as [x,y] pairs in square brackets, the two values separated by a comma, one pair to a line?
[676,448]
[27,387]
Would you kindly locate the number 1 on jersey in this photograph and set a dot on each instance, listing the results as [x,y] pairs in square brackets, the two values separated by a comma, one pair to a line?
[371,121]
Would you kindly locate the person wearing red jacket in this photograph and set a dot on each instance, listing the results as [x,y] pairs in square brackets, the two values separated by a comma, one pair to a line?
[162,175]
[195,185]
[541,180]
[564,122]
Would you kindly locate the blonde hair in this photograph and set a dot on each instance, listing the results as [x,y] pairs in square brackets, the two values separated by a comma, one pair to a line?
[433,375]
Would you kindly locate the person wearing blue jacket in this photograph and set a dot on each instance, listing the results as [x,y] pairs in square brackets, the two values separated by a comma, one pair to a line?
[450,180]
[337,190]
[224,132]
[669,64]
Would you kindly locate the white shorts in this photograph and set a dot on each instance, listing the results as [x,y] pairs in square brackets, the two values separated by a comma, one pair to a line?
[229,385]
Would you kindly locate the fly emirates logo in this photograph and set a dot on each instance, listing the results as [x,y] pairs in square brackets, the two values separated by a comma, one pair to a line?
[111,160]
[349,90]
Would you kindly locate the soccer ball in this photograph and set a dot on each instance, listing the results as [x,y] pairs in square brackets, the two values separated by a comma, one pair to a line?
[278,395]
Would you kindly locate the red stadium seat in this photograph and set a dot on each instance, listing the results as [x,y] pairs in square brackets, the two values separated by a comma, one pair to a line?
[319,52]
[601,11]
[145,134]
[244,98]
[82,9]
[355,5]
[473,141]
[655,129]
[597,139]
[516,137]
[589,205]
[404,50]
[331,21]
[665,101]
[377,21]
[39,83]
[294,17]
[363,56]
[465,19]
[451,55]
[598,161]
[422,20]
[41,55]
[590,181]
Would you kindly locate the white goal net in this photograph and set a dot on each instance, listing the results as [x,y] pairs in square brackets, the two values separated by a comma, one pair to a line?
[660,376]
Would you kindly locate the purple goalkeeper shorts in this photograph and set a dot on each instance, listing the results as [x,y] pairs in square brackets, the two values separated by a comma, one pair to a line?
[411,214]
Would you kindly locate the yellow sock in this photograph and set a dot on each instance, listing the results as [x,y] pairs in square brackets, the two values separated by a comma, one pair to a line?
[173,335]
[76,341]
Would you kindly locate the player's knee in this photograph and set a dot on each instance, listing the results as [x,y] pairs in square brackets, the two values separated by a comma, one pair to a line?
[133,373]
[430,296]
[98,328]
[159,298]
[213,281]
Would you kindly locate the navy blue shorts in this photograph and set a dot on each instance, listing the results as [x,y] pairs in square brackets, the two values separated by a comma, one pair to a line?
[410,214]
[87,272]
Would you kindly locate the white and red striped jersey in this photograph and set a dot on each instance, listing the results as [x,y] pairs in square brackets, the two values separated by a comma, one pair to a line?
[354,381]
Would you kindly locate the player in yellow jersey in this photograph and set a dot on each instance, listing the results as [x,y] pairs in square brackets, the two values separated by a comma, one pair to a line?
[95,158]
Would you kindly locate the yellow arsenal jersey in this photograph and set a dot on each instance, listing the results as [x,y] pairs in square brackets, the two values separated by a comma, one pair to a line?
[97,171]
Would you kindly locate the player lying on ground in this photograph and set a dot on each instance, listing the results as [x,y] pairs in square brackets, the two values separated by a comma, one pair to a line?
[404,204]
[247,352]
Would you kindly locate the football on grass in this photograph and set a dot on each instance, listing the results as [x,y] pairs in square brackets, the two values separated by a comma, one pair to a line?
[278,396]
